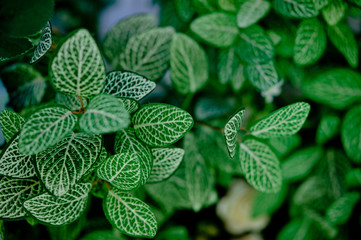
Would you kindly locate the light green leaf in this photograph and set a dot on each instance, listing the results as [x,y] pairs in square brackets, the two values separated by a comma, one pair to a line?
[129,214]
[175,233]
[160,125]
[44,44]
[184,9]
[13,192]
[296,8]
[104,114]
[71,102]
[61,166]
[11,123]
[319,4]
[122,171]
[327,128]
[251,11]
[263,76]
[351,134]
[284,121]
[228,5]
[188,64]
[61,210]
[147,53]
[334,11]
[166,161]
[45,128]
[218,29]
[310,42]
[130,105]
[230,68]
[231,129]
[340,211]
[78,67]
[128,85]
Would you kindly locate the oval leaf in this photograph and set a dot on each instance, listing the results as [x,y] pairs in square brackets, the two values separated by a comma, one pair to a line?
[44,44]
[351,134]
[263,76]
[252,11]
[230,131]
[72,102]
[11,123]
[296,8]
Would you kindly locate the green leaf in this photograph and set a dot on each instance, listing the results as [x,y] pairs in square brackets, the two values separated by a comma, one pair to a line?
[71,102]
[344,40]
[61,166]
[188,64]
[102,235]
[122,171]
[311,193]
[261,166]
[78,67]
[44,44]
[129,214]
[13,192]
[230,68]
[100,160]
[321,224]
[11,48]
[130,105]
[166,161]
[117,37]
[297,229]
[147,53]
[160,125]
[263,76]
[231,129]
[284,144]
[351,134]
[184,9]
[310,42]
[204,6]
[11,123]
[45,128]
[128,85]
[228,5]
[282,122]
[104,114]
[218,29]
[334,11]
[337,88]
[268,203]
[174,233]
[353,177]
[296,8]
[62,210]
[327,128]
[340,211]
[252,11]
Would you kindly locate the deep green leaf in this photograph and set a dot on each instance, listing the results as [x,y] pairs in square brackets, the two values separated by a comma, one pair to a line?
[130,105]
[296,8]
[353,177]
[319,222]
[251,11]
[44,44]
[230,131]
[204,6]
[11,48]
[327,128]
[312,193]
[11,123]
[268,203]
[263,76]
[340,211]
[184,9]
[284,144]
[230,68]
[102,235]
[72,102]
[334,11]
[175,233]
[351,134]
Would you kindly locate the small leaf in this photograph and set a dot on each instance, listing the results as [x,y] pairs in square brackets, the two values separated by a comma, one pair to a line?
[284,121]
[327,128]
[62,210]
[11,123]
[252,11]
[44,44]
[351,134]
[184,9]
[71,102]
[334,11]
[340,211]
[45,128]
[296,8]
[230,131]
[129,214]
[104,114]
[230,68]
[160,125]
[263,76]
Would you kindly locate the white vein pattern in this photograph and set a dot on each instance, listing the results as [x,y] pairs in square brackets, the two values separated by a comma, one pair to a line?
[261,166]
[78,67]
[130,215]
[46,128]
[62,210]
[11,123]
[334,12]
[251,11]
[128,85]
[351,134]
[127,142]
[13,192]
[72,102]
[230,131]
[229,65]
[263,76]
[296,8]
[99,161]
[147,53]
[104,114]
[327,128]
[166,162]
[122,171]
[44,44]
[61,166]
[160,125]
[130,105]
[284,121]
[15,164]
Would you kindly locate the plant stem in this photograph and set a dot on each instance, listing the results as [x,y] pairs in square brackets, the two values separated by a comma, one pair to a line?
[81,103]
[187,101]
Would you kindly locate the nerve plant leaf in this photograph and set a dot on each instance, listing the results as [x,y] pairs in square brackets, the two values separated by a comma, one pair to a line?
[129,214]
[45,128]
[13,192]
[340,211]
[230,68]
[351,134]
[284,121]
[62,210]
[78,67]
[160,125]
[44,44]
[296,8]
[327,128]
[104,114]
[230,131]
[61,166]
[11,123]
[334,11]
[251,11]
[130,105]
[72,102]
[263,76]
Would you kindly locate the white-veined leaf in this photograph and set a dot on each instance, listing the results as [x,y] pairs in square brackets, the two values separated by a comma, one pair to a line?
[261,166]
[251,11]
[284,121]
[100,160]
[45,128]
[228,5]
[61,210]
[78,67]
[166,161]
[11,123]
[263,76]
[319,4]
[296,8]
[334,11]
[160,125]
[341,210]
[130,105]
[230,68]
[44,44]
[184,9]
[351,134]
[71,102]
[327,128]
[61,166]
[129,214]
[104,114]
[230,131]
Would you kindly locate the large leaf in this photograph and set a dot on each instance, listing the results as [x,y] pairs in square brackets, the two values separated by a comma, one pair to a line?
[327,128]
[11,48]
[231,129]
[284,121]
[263,76]
[61,166]
[261,166]
[296,8]
[351,134]
[230,68]
[251,11]
[160,125]
[334,11]
[104,114]
[78,67]
[218,29]
[188,64]
[340,211]
[62,210]
[44,44]
[129,214]
[11,123]
[45,128]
